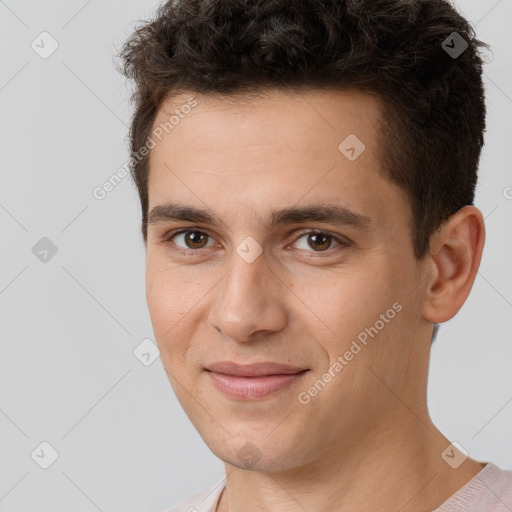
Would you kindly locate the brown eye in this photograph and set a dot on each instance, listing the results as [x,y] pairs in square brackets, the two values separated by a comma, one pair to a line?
[191,239]
[196,239]
[318,241]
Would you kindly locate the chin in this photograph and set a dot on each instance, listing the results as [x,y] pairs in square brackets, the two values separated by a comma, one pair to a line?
[256,456]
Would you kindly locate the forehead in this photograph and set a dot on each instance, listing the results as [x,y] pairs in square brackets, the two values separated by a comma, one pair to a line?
[307,114]
[259,149]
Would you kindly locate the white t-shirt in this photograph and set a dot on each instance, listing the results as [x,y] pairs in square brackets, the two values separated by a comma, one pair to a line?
[488,491]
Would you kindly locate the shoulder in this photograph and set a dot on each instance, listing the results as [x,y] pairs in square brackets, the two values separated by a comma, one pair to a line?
[489,491]
[203,501]
[495,486]
[502,486]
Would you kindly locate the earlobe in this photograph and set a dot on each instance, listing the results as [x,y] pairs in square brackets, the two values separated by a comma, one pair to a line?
[456,252]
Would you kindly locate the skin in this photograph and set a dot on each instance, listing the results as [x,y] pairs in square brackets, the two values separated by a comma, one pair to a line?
[366,440]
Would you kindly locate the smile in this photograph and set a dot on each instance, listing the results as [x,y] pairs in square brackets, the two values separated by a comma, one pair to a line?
[253,388]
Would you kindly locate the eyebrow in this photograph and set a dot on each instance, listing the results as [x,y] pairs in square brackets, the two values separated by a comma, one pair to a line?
[330,213]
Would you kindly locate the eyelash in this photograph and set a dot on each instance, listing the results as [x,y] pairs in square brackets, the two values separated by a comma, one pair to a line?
[167,240]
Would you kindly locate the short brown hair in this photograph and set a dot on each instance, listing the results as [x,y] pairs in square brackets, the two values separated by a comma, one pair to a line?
[433,103]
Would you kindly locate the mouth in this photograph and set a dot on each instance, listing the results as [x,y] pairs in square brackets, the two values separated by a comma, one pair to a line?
[253,381]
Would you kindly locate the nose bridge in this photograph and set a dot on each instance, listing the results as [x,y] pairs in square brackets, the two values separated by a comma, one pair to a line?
[246,301]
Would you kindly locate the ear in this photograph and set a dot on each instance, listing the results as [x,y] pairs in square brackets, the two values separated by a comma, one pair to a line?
[455,253]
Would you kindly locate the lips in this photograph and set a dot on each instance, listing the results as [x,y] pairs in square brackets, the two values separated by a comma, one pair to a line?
[254,370]
[253,381]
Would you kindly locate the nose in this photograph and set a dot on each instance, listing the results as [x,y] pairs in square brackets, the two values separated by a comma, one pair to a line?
[249,301]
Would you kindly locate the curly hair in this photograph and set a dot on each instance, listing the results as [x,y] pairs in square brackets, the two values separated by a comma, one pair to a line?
[433,102]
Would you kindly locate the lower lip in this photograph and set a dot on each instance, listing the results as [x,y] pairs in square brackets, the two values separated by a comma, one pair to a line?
[252,388]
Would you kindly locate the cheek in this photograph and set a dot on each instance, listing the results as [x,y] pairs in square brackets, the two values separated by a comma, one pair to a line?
[366,308]
[176,304]
[350,300]
[166,285]
[168,302]
[168,316]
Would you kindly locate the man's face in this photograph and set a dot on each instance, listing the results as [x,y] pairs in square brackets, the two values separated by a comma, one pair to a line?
[246,290]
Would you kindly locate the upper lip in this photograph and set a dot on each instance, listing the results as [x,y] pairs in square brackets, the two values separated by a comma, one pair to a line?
[253,370]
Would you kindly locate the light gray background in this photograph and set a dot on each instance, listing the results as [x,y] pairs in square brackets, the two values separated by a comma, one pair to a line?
[68,374]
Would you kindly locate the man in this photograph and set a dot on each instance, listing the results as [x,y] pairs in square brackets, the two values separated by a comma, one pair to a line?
[306,171]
